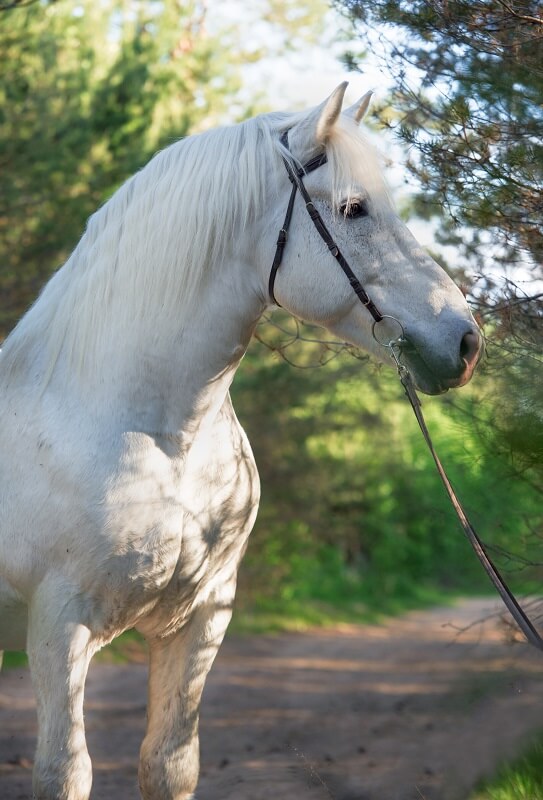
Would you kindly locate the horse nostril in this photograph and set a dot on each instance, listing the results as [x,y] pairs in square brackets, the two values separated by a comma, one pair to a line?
[470,349]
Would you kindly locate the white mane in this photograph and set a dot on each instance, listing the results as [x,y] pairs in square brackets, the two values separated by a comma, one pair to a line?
[145,251]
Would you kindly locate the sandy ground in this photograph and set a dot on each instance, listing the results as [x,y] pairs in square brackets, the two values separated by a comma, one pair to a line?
[411,710]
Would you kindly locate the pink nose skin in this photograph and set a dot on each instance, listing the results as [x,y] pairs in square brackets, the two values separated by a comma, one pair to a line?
[470,353]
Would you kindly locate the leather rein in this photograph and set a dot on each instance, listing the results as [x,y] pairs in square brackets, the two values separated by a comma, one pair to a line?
[394,344]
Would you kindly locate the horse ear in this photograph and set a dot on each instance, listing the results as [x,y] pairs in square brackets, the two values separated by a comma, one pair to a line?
[312,131]
[328,113]
[359,110]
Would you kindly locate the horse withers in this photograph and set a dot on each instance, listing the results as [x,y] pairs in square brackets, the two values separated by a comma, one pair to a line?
[128,488]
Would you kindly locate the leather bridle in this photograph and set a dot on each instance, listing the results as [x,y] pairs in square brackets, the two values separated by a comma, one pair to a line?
[395,346]
[296,175]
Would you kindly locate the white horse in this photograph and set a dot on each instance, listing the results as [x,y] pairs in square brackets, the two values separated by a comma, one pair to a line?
[128,488]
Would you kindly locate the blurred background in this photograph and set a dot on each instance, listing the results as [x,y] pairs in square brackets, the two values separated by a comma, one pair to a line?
[353,519]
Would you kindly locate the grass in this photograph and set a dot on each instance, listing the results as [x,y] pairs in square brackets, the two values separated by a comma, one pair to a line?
[521,779]
[265,615]
[14,658]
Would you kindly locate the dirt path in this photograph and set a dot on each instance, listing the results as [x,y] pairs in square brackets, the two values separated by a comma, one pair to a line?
[407,711]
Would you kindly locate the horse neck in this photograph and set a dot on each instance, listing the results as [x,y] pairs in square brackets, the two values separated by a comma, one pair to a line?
[179,384]
[177,381]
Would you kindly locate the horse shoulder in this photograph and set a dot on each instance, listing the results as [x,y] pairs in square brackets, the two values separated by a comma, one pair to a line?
[220,492]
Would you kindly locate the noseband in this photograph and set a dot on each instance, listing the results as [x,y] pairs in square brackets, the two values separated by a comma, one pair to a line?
[395,345]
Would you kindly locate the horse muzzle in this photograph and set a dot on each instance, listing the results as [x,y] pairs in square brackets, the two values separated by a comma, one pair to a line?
[435,373]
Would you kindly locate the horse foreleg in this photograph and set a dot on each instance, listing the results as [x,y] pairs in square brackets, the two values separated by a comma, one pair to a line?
[59,651]
[178,667]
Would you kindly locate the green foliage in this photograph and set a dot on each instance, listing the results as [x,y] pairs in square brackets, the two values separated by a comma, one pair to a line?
[352,510]
[88,92]
[520,780]
[13,659]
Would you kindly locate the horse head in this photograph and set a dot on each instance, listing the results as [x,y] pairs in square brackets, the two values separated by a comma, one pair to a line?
[441,341]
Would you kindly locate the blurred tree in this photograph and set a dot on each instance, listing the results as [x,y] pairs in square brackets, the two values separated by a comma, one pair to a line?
[88,92]
[7,5]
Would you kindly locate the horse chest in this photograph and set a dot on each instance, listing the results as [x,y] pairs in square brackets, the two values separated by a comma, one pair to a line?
[181,528]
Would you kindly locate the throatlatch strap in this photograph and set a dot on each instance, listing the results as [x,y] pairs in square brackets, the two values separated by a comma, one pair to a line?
[281,242]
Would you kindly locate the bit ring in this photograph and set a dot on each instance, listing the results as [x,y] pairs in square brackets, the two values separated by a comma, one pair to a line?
[386,339]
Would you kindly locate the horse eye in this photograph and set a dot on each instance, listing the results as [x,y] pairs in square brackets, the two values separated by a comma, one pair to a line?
[357,208]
